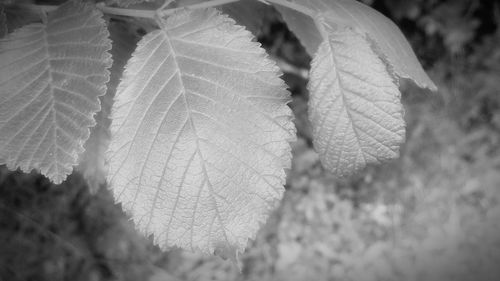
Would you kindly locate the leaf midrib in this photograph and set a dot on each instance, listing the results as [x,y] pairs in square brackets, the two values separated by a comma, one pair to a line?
[344,104]
[198,151]
[52,106]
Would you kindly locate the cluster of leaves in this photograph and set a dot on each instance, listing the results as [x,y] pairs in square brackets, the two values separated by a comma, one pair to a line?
[431,215]
[199,127]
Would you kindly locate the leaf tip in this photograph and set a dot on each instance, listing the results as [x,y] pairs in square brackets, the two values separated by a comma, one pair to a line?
[228,252]
[431,86]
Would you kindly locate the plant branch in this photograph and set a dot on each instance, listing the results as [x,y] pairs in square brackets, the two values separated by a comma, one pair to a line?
[214,3]
[152,14]
[126,12]
[105,9]
[202,5]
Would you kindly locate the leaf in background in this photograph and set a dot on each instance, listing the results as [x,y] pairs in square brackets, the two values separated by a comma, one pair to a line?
[3,23]
[92,163]
[354,106]
[200,134]
[390,42]
[50,79]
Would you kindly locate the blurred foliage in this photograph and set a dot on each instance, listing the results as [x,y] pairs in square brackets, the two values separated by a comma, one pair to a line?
[454,24]
[50,232]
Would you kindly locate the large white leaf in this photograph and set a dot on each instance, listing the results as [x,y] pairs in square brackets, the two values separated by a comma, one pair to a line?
[390,42]
[92,163]
[51,76]
[200,134]
[354,107]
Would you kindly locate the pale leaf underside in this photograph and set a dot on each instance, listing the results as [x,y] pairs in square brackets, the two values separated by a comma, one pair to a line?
[354,107]
[51,76]
[389,41]
[200,134]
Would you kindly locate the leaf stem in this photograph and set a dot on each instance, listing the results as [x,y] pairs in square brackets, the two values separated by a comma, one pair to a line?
[105,9]
[202,5]
[213,3]
[126,12]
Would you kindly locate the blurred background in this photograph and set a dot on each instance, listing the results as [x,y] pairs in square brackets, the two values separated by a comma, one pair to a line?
[432,214]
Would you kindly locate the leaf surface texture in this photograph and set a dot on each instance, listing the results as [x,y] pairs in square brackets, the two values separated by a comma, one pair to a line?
[51,77]
[354,106]
[200,134]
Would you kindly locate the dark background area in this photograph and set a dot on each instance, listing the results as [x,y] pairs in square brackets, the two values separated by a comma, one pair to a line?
[432,214]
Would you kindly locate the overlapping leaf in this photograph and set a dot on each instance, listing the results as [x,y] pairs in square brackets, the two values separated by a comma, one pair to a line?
[200,134]
[355,107]
[51,76]
[92,162]
[390,43]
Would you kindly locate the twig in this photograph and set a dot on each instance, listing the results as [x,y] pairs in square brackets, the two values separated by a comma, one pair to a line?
[202,5]
[152,14]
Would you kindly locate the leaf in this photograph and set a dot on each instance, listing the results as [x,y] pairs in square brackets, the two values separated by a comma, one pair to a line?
[92,164]
[389,41]
[200,134]
[51,76]
[354,106]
